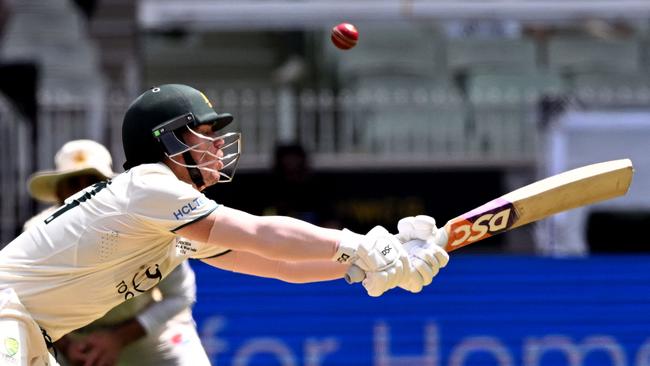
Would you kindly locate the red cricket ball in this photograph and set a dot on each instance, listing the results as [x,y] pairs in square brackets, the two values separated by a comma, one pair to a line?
[345,36]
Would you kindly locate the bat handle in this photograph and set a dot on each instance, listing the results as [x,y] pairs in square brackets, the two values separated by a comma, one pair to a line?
[356,274]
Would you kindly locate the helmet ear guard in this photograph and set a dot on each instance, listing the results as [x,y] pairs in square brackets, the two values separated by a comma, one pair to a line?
[164,132]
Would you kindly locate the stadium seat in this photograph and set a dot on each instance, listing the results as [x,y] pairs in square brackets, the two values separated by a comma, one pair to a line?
[579,53]
[400,49]
[396,114]
[480,55]
[216,56]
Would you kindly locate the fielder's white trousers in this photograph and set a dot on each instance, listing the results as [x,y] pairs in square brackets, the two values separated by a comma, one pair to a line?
[21,340]
[177,343]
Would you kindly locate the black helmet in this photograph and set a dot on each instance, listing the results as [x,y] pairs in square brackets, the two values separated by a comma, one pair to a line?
[156,107]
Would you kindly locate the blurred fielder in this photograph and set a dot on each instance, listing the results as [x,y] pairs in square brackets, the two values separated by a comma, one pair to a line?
[119,238]
[141,331]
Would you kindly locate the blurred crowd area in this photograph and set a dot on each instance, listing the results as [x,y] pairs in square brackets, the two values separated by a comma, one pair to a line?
[423,115]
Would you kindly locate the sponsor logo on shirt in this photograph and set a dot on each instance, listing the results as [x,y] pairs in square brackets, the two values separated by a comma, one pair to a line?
[189,207]
[10,347]
[143,280]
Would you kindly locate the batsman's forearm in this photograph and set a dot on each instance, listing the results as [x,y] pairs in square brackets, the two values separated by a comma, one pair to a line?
[276,237]
[291,239]
[312,271]
[293,272]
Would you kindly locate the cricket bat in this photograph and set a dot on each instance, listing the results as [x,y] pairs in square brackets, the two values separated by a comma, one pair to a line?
[574,188]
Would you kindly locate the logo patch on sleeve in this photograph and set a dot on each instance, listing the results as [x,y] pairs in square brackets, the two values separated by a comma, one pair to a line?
[185,248]
[189,207]
[11,346]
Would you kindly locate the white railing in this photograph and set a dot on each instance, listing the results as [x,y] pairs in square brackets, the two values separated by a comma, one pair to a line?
[377,128]
[347,128]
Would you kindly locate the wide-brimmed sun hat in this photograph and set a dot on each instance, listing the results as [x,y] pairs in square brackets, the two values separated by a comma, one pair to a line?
[75,158]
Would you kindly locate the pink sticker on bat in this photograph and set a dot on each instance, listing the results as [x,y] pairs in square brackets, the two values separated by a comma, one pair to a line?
[489,219]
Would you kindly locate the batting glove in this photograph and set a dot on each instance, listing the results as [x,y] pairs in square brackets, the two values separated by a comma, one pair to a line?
[418,236]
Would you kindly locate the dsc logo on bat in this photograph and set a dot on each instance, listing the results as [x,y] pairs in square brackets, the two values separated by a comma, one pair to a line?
[470,228]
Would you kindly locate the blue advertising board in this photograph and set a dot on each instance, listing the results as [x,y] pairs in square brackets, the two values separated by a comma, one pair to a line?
[481,310]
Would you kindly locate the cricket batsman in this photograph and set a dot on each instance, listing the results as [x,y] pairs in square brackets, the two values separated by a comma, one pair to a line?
[154,329]
[118,238]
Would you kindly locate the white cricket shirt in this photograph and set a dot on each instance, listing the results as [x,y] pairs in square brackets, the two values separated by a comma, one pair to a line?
[108,243]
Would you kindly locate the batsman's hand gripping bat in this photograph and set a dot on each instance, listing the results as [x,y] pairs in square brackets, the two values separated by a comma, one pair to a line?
[574,188]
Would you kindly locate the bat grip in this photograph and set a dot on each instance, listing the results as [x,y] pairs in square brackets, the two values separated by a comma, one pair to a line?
[356,274]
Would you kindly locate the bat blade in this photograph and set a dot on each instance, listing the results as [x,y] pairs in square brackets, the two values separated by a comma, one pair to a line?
[574,188]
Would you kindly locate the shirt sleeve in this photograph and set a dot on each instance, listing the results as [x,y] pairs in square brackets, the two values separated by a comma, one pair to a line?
[178,293]
[158,198]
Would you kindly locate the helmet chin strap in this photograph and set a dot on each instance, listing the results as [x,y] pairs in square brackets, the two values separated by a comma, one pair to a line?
[195,173]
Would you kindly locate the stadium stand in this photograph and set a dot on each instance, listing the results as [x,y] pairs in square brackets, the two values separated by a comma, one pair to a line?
[494,54]
[401,49]
[582,53]
[407,115]
[505,110]
[53,34]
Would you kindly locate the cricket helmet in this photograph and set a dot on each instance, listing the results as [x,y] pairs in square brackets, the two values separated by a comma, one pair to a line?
[153,124]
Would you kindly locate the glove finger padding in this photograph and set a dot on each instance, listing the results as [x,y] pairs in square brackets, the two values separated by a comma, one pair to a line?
[414,280]
[414,283]
[383,259]
[426,259]
[420,227]
[425,269]
[386,278]
[427,251]
[376,283]
[441,255]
